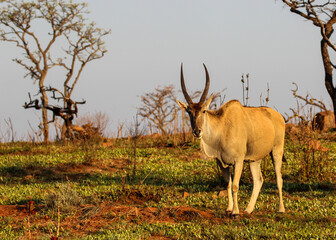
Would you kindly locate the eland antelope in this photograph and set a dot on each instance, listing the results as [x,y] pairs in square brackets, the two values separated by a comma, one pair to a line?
[234,134]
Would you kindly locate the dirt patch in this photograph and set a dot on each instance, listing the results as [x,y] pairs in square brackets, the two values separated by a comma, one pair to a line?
[17,211]
[71,171]
[189,214]
[112,165]
[81,223]
[89,219]
[136,197]
[134,214]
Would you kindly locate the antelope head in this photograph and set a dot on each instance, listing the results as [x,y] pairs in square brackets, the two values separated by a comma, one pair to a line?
[196,111]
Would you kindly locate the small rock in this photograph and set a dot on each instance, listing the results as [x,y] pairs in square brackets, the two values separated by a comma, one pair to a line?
[28,177]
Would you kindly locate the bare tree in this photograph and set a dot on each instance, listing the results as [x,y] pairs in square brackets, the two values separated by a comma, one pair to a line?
[98,120]
[66,113]
[323,15]
[217,99]
[158,107]
[305,109]
[69,33]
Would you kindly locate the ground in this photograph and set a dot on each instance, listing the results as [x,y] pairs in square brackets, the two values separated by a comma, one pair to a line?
[76,192]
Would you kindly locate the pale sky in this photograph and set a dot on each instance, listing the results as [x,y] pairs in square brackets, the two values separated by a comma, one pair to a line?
[150,39]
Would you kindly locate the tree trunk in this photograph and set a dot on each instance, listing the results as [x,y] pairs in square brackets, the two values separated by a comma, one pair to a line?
[44,100]
[45,123]
[334,105]
[328,69]
[68,125]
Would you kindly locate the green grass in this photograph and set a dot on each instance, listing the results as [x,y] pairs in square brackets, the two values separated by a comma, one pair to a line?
[93,193]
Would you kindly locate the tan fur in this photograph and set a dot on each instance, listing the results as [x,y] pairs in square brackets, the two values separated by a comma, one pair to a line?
[232,125]
[233,134]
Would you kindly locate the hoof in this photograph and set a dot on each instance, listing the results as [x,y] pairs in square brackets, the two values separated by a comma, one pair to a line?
[235,216]
[228,213]
[247,213]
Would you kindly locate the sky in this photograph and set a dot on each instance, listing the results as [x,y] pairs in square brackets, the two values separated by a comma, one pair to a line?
[151,38]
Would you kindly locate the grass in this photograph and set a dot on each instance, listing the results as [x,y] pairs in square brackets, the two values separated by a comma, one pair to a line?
[91,193]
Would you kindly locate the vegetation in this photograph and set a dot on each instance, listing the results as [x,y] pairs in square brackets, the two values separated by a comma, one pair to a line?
[162,114]
[158,108]
[69,44]
[75,192]
[323,15]
[157,186]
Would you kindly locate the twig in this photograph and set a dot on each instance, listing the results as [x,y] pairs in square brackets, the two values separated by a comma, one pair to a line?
[50,232]
[58,221]
[146,177]
[11,128]
[245,89]
[309,101]
[29,233]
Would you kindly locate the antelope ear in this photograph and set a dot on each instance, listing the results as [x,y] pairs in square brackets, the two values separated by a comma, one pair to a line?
[208,102]
[182,105]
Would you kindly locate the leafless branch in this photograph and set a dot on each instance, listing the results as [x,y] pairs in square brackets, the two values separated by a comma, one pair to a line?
[157,107]
[84,44]
[308,100]
[301,112]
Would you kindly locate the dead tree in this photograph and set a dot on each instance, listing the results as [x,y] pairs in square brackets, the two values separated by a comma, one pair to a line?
[323,15]
[96,123]
[158,107]
[217,99]
[305,107]
[81,44]
[66,113]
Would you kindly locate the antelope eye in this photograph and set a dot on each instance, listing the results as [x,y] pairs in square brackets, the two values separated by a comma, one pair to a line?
[204,111]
